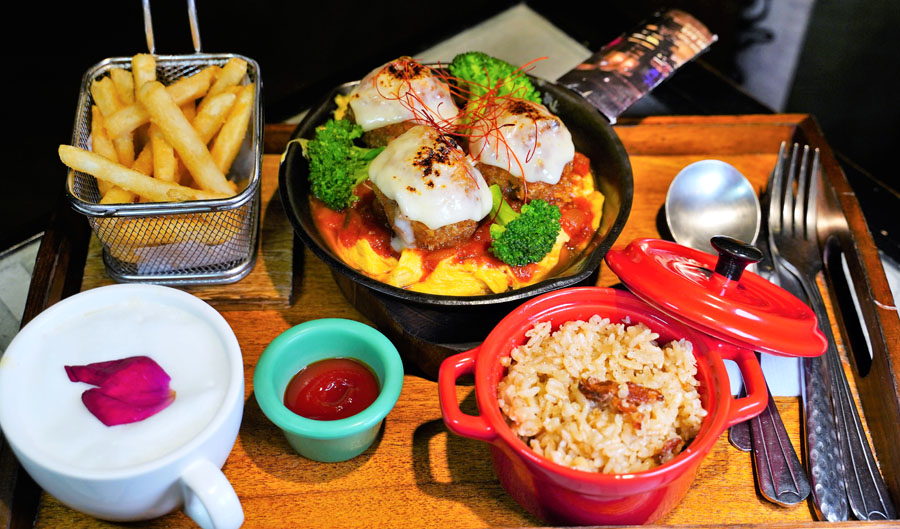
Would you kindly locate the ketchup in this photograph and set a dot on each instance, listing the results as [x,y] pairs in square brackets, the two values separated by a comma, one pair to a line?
[331,389]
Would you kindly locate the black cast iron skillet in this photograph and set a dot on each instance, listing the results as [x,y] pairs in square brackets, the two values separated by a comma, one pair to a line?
[426,327]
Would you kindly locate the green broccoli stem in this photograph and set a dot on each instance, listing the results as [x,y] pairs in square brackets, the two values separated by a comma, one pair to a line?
[501,212]
[360,175]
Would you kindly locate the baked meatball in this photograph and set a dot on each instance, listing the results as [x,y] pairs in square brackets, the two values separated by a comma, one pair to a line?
[430,190]
[524,149]
[398,95]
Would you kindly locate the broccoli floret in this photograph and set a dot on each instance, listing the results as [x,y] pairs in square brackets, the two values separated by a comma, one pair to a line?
[526,237]
[484,72]
[336,164]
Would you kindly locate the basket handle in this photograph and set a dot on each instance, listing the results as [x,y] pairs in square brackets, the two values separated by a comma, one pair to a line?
[192,16]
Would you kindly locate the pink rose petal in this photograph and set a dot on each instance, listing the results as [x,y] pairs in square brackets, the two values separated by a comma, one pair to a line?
[143,370]
[129,390]
[112,411]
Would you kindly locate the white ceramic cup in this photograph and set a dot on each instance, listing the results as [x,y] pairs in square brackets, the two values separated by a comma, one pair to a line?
[188,473]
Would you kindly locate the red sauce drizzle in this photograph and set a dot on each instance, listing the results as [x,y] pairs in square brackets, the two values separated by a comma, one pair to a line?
[332,389]
[576,221]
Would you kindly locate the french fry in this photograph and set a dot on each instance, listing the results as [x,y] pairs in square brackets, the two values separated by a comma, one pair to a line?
[117,195]
[232,74]
[165,113]
[183,90]
[163,155]
[142,134]
[156,231]
[124,83]
[125,149]
[182,175]
[101,144]
[189,110]
[129,179]
[144,162]
[176,136]
[210,118]
[228,142]
[143,69]
[144,165]
[107,99]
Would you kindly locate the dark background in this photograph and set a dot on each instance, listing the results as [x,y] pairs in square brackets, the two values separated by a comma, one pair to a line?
[847,78]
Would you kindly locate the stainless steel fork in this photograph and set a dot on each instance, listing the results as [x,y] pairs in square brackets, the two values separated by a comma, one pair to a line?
[842,467]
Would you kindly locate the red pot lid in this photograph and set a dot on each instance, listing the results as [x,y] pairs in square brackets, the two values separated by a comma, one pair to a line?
[749,311]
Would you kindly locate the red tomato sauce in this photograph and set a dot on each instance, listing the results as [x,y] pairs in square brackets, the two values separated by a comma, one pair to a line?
[356,222]
[332,389]
[476,247]
[581,164]
[577,221]
[361,222]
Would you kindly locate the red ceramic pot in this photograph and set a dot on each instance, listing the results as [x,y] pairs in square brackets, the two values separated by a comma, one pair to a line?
[562,495]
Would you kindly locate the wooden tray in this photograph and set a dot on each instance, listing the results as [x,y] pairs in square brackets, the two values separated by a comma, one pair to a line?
[417,474]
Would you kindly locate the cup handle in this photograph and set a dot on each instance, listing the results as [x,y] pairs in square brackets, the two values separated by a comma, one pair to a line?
[471,426]
[209,498]
[754,381]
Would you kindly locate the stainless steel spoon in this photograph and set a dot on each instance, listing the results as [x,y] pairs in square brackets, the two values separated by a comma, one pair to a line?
[709,198]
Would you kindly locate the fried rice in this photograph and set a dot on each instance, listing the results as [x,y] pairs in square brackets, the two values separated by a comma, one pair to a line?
[601,396]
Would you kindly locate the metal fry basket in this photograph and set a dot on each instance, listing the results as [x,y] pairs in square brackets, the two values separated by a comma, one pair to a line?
[175,243]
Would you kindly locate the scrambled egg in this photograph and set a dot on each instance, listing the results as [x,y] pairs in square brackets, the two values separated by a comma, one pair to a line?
[452,277]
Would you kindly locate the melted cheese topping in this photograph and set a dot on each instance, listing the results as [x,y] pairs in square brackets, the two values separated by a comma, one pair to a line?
[431,179]
[398,91]
[526,140]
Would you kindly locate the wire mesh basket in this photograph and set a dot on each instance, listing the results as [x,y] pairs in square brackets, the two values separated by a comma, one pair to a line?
[176,243]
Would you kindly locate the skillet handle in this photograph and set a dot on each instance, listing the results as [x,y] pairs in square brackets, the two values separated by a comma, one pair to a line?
[754,381]
[471,426]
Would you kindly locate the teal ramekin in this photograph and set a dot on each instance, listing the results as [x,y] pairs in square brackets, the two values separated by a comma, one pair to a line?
[315,340]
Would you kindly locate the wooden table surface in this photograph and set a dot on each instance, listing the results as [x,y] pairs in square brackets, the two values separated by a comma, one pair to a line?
[417,474]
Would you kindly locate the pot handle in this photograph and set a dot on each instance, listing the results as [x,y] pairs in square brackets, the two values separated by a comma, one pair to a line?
[471,426]
[754,381]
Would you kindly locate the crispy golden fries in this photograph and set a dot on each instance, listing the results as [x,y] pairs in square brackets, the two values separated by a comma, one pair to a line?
[163,155]
[185,89]
[117,195]
[144,162]
[176,130]
[228,141]
[184,139]
[180,126]
[210,118]
[232,74]
[129,179]
[100,142]
[143,69]
[189,110]
[124,85]
[155,231]
[107,98]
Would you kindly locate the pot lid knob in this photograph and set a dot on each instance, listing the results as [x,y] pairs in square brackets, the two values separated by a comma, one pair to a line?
[716,297]
[734,256]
